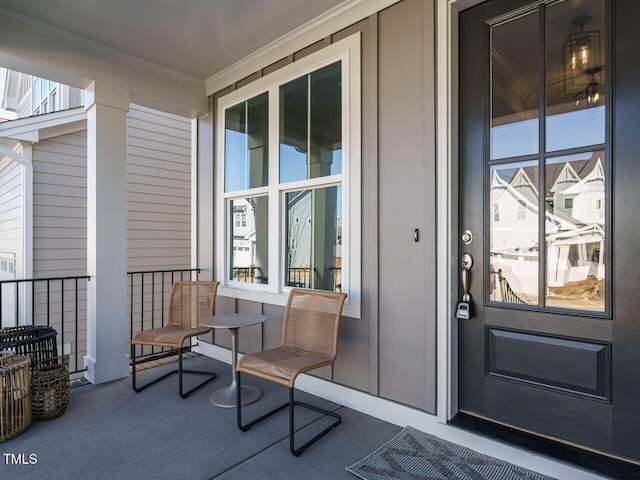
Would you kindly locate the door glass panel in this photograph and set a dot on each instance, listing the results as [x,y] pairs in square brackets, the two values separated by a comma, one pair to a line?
[514,233]
[314,239]
[311,125]
[248,227]
[514,87]
[575,238]
[575,77]
[246,153]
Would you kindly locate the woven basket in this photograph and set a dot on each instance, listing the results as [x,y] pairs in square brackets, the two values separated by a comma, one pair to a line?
[15,407]
[37,342]
[50,388]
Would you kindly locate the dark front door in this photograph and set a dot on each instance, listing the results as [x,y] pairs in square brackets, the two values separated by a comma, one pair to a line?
[549,188]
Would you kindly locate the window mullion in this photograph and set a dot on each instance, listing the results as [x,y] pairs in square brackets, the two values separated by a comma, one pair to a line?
[275,221]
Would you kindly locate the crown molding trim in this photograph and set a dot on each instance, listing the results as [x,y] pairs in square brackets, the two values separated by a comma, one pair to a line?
[341,16]
[91,45]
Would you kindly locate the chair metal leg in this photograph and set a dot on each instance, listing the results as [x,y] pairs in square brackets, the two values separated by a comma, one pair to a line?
[291,404]
[179,371]
[297,451]
[210,376]
[137,388]
[246,427]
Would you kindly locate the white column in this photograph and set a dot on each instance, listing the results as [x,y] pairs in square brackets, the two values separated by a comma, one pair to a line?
[106,108]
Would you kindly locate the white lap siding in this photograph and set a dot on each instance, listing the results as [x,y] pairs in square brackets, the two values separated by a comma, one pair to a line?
[158,190]
[11,209]
[158,208]
[60,238]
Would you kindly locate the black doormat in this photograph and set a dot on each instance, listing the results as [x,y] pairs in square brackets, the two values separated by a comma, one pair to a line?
[415,455]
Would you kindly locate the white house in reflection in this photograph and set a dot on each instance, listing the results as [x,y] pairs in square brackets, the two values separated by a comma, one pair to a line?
[249,231]
[244,234]
[574,227]
[311,260]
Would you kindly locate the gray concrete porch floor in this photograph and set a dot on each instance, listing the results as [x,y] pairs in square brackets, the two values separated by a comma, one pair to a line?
[111,432]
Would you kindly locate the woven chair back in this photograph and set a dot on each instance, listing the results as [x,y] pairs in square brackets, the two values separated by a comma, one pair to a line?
[312,320]
[191,302]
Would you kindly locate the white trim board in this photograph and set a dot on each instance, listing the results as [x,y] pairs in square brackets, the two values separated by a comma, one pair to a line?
[41,127]
[339,17]
[402,416]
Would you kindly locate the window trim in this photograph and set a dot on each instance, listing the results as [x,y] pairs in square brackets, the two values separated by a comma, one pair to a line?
[348,52]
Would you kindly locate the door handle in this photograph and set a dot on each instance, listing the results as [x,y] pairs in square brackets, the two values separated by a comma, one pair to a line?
[463,311]
[466,262]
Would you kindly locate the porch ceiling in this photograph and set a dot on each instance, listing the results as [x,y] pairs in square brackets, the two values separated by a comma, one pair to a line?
[162,51]
[195,37]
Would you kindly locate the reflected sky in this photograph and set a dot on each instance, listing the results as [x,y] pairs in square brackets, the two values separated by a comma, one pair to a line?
[566,130]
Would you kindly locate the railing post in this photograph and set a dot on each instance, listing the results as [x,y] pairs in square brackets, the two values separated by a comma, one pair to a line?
[62,314]
[17,292]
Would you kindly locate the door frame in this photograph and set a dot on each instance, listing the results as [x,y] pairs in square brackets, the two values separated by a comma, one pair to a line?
[447,203]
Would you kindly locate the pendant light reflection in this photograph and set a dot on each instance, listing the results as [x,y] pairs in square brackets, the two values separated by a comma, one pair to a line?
[581,54]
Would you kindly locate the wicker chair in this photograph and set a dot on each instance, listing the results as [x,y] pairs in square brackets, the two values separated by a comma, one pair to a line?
[309,341]
[190,302]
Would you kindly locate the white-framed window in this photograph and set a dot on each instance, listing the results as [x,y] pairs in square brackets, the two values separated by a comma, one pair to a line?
[521,212]
[288,156]
[240,219]
[44,95]
[600,208]
[568,203]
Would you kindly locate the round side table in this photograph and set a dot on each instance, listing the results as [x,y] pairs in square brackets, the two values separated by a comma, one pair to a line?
[226,396]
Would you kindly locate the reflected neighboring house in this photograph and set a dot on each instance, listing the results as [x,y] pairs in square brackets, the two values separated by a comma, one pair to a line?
[43,186]
[575,212]
[314,256]
[244,234]
[299,230]
[576,245]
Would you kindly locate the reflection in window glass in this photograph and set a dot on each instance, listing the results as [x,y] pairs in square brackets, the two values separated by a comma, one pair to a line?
[514,87]
[44,88]
[246,151]
[314,239]
[576,113]
[250,240]
[514,233]
[311,125]
[37,95]
[575,233]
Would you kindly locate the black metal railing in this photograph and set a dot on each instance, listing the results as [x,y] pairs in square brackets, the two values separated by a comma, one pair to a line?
[61,303]
[300,277]
[58,302]
[248,274]
[148,300]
